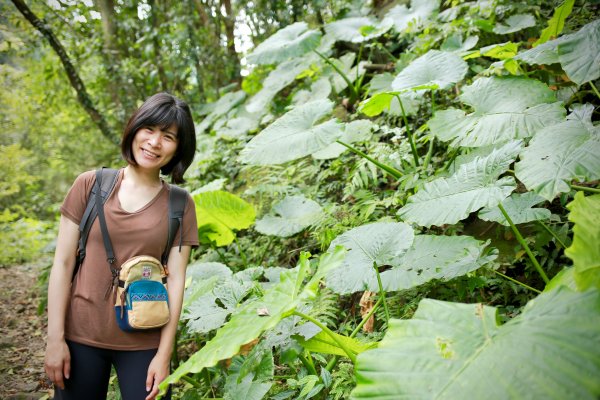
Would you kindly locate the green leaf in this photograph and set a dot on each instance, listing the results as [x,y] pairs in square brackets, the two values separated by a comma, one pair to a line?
[381,243]
[292,41]
[403,17]
[473,186]
[220,214]
[279,78]
[559,153]
[355,131]
[519,209]
[556,24]
[435,257]
[246,324]
[500,51]
[515,23]
[566,277]
[290,216]
[249,386]
[544,54]
[505,109]
[436,68]
[455,44]
[381,84]
[294,135]
[357,29]
[323,343]
[579,54]
[458,351]
[320,89]
[204,314]
[585,249]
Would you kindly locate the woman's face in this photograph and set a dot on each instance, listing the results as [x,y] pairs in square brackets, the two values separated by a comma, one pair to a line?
[154,147]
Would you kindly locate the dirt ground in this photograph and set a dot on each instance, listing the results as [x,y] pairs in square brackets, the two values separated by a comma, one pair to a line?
[22,335]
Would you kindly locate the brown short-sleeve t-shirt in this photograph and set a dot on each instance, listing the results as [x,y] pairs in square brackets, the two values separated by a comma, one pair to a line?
[90,316]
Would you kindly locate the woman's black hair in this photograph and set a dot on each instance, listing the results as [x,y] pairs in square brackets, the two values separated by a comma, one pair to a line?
[164,110]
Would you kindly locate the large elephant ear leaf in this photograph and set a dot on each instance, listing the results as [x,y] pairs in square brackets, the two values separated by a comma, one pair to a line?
[357,29]
[220,214]
[519,208]
[585,249]
[560,153]
[436,68]
[454,351]
[473,186]
[290,216]
[294,135]
[403,17]
[292,41]
[355,131]
[435,257]
[381,243]
[280,77]
[579,54]
[505,109]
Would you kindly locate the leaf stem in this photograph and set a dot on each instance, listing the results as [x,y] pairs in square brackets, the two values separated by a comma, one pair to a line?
[411,139]
[308,364]
[354,95]
[585,189]
[328,331]
[191,381]
[382,293]
[550,231]
[523,243]
[595,89]
[516,281]
[391,170]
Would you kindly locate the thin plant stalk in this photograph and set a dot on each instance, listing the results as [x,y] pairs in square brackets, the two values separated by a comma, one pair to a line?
[523,243]
[328,331]
[191,381]
[335,358]
[354,95]
[516,281]
[411,139]
[585,189]
[242,254]
[550,231]
[391,170]
[595,89]
[429,153]
[308,364]
[382,294]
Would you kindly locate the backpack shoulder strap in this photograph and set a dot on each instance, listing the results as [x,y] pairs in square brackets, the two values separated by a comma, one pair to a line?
[177,200]
[109,179]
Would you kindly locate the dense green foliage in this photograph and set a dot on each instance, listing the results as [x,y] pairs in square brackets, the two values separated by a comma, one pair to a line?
[440,160]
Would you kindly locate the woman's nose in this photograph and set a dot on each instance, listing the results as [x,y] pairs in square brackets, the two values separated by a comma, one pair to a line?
[154,140]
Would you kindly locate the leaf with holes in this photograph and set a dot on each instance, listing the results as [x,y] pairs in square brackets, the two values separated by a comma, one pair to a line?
[559,153]
[459,351]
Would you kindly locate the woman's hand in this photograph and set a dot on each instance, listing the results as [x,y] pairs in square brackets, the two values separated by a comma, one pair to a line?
[57,362]
[158,370]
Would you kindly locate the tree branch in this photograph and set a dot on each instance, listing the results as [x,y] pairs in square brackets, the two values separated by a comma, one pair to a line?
[74,79]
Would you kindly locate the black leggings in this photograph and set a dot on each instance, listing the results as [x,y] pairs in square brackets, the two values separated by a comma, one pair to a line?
[90,373]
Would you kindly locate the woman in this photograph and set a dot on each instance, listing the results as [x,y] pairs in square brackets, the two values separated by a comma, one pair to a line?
[84,339]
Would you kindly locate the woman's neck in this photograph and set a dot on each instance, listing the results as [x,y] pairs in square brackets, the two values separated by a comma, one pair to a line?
[141,177]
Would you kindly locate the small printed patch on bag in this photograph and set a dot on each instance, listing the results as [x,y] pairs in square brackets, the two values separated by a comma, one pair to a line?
[146,272]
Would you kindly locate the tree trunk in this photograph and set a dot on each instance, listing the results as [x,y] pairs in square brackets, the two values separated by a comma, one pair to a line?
[229,22]
[154,11]
[74,79]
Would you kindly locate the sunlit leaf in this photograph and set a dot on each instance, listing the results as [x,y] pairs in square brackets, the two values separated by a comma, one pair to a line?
[357,29]
[323,343]
[519,208]
[296,134]
[505,109]
[473,186]
[459,351]
[219,214]
[438,68]
[559,153]
[585,249]
[556,24]
[290,216]
[500,51]
[292,41]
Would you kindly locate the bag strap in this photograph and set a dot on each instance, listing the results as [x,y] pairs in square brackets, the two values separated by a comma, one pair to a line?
[177,200]
[108,182]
